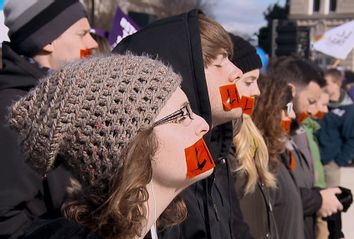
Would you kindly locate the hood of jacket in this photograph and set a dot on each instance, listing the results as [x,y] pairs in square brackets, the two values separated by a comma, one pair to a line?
[17,72]
[176,41]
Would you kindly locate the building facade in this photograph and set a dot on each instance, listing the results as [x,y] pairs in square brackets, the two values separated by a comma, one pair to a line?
[320,16]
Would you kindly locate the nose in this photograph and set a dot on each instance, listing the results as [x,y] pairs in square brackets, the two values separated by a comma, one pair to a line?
[255,90]
[90,42]
[201,126]
[235,73]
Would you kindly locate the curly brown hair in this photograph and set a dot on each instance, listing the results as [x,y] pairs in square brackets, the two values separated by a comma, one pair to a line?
[115,208]
[267,115]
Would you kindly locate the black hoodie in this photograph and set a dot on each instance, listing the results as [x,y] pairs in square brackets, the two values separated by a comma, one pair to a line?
[22,197]
[213,207]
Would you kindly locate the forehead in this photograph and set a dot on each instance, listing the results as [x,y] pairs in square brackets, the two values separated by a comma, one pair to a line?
[177,99]
[312,90]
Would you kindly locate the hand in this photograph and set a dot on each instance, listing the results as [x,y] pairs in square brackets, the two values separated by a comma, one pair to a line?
[330,203]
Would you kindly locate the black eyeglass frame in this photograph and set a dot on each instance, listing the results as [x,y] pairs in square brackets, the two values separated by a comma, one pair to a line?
[175,115]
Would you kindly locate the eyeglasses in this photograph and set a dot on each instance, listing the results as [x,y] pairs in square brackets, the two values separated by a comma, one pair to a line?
[174,117]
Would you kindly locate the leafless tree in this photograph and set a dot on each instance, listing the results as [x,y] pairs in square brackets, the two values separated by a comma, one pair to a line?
[104,10]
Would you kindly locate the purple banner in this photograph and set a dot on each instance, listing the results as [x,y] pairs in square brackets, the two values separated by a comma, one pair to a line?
[122,26]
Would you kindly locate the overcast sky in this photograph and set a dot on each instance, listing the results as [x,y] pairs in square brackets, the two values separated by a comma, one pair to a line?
[244,16]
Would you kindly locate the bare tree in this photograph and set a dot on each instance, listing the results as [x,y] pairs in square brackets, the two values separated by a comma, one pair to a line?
[104,10]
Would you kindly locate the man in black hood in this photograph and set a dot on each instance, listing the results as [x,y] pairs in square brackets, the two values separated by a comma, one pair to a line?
[199,49]
[44,35]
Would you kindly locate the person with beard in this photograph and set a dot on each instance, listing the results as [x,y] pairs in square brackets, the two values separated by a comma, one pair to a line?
[200,50]
[300,77]
[249,155]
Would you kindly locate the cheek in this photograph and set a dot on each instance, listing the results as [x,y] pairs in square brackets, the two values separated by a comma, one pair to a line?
[169,164]
[243,89]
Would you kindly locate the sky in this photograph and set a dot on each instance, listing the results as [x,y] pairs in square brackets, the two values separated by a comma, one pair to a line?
[242,16]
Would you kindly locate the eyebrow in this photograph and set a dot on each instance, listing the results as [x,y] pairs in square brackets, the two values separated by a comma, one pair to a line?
[251,78]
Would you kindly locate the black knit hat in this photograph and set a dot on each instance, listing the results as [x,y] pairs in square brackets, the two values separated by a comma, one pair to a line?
[33,24]
[245,56]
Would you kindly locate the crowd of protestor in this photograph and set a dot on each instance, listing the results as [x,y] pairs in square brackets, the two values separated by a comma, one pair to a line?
[173,134]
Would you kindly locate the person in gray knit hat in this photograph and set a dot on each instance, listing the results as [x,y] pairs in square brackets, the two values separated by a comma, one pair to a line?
[44,35]
[122,126]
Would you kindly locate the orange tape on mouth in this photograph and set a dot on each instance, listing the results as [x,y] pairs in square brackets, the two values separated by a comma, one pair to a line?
[198,159]
[85,53]
[231,99]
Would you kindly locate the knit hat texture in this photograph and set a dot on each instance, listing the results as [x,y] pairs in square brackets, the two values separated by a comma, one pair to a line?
[35,23]
[245,56]
[85,114]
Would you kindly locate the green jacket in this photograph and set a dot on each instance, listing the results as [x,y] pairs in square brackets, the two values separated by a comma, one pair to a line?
[311,126]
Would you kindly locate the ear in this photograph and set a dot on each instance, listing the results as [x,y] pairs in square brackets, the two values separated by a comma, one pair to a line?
[293,88]
[49,48]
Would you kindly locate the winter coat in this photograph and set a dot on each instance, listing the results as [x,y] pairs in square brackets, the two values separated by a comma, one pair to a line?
[302,175]
[311,126]
[336,136]
[59,228]
[213,208]
[24,196]
[287,205]
[256,207]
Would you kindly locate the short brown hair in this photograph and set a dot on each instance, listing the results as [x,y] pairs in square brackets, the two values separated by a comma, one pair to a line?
[336,75]
[214,39]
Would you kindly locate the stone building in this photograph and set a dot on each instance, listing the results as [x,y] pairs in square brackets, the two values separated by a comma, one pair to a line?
[320,16]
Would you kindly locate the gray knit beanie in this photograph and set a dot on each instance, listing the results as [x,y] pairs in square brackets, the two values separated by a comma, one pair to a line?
[86,113]
[35,23]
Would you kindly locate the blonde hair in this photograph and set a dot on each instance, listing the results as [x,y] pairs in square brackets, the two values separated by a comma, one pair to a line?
[252,157]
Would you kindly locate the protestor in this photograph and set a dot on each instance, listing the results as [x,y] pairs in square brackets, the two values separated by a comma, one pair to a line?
[44,35]
[311,126]
[124,129]
[104,48]
[336,138]
[299,78]
[249,154]
[199,49]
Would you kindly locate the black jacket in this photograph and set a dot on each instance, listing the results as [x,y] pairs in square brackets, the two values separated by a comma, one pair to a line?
[22,196]
[257,206]
[59,229]
[213,206]
[310,196]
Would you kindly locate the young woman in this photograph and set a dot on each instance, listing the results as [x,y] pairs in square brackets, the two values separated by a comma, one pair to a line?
[249,154]
[292,77]
[124,129]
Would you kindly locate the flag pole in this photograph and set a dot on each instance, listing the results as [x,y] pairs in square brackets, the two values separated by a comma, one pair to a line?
[336,63]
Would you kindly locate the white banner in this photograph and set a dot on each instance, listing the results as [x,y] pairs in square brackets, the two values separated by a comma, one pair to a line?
[337,42]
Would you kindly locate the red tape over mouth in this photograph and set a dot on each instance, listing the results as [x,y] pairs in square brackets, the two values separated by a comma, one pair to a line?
[85,53]
[198,159]
[231,99]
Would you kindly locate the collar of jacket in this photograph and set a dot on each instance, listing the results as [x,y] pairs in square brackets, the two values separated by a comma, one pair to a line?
[311,124]
[18,71]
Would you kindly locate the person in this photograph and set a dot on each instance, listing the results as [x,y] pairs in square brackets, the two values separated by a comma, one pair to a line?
[249,155]
[103,44]
[200,50]
[303,78]
[336,137]
[311,126]
[128,136]
[43,36]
